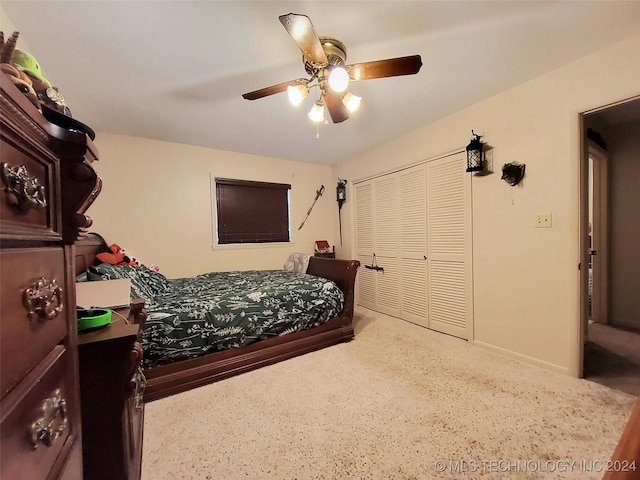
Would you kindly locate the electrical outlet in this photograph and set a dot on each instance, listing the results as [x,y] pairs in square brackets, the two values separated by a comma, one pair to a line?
[543,220]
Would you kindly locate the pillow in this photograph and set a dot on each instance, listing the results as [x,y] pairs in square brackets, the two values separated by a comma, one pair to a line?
[297,262]
[155,280]
[104,271]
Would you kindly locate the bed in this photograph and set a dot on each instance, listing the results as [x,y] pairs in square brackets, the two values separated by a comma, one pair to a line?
[179,355]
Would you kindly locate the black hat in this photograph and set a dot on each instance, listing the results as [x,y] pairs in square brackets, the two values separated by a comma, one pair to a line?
[66,121]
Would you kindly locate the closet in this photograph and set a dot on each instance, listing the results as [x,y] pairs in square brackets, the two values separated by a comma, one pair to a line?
[413,238]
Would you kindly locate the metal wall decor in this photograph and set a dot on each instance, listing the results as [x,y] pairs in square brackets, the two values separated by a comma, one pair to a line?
[319,193]
[513,172]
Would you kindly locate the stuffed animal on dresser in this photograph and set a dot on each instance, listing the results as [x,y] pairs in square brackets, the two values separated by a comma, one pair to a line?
[26,74]
[18,77]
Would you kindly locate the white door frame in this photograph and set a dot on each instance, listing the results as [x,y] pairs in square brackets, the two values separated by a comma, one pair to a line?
[583,221]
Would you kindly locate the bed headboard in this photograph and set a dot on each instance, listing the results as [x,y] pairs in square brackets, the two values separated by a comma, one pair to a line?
[86,249]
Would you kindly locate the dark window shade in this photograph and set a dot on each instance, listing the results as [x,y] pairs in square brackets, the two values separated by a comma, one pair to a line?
[252,212]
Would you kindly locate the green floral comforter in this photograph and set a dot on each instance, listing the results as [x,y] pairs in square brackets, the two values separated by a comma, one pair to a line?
[190,317]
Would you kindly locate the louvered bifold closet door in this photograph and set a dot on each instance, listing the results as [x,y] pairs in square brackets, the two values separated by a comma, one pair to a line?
[449,246]
[413,245]
[386,224]
[366,278]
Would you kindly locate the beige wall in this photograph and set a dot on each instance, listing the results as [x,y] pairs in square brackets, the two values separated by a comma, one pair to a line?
[624,152]
[156,202]
[526,284]
[7,26]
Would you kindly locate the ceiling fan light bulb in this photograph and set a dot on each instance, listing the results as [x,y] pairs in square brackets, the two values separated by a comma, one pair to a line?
[297,93]
[338,79]
[316,114]
[351,101]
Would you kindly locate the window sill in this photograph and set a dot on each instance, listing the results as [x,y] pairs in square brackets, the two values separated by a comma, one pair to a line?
[245,246]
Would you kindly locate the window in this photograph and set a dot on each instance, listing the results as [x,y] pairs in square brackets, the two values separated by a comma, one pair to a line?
[252,212]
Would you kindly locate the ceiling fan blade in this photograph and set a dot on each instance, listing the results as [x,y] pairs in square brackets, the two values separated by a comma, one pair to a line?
[301,30]
[273,89]
[337,109]
[392,67]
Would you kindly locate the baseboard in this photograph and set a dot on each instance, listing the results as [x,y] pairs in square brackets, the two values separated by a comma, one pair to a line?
[525,358]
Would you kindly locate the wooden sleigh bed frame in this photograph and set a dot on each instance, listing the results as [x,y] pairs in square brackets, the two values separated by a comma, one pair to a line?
[179,376]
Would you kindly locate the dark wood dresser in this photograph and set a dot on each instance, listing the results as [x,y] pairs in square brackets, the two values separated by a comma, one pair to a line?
[47,183]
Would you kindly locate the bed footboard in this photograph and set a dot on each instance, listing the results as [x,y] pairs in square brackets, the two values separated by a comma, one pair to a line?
[343,273]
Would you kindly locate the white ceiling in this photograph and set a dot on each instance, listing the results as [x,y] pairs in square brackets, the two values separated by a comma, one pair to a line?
[176,70]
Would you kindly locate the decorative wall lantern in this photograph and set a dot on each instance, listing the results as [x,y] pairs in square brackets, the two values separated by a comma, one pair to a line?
[341,196]
[475,155]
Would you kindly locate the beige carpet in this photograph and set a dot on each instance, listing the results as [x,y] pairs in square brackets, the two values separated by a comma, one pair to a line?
[388,405]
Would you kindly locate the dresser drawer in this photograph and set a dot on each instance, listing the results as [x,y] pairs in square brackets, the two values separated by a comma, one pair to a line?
[28,197]
[25,338]
[36,420]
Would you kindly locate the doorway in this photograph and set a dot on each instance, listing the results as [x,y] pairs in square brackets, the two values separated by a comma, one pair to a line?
[598,229]
[611,234]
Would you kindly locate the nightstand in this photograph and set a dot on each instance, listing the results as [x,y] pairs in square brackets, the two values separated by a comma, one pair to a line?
[325,255]
[111,387]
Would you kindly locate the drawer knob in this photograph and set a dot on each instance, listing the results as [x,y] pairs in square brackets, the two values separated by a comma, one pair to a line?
[42,430]
[43,300]
[23,192]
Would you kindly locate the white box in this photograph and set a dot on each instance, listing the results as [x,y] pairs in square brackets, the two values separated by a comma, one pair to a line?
[104,293]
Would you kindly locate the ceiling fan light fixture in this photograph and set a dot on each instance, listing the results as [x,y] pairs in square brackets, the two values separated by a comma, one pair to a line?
[325,61]
[297,93]
[316,114]
[338,79]
[351,101]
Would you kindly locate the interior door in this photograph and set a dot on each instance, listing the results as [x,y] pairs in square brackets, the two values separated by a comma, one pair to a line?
[366,279]
[386,212]
[412,194]
[449,246]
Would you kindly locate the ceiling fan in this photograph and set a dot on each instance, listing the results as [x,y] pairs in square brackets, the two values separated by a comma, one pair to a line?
[325,61]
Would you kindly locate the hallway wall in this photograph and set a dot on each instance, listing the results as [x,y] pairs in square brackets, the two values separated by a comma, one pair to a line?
[624,265]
